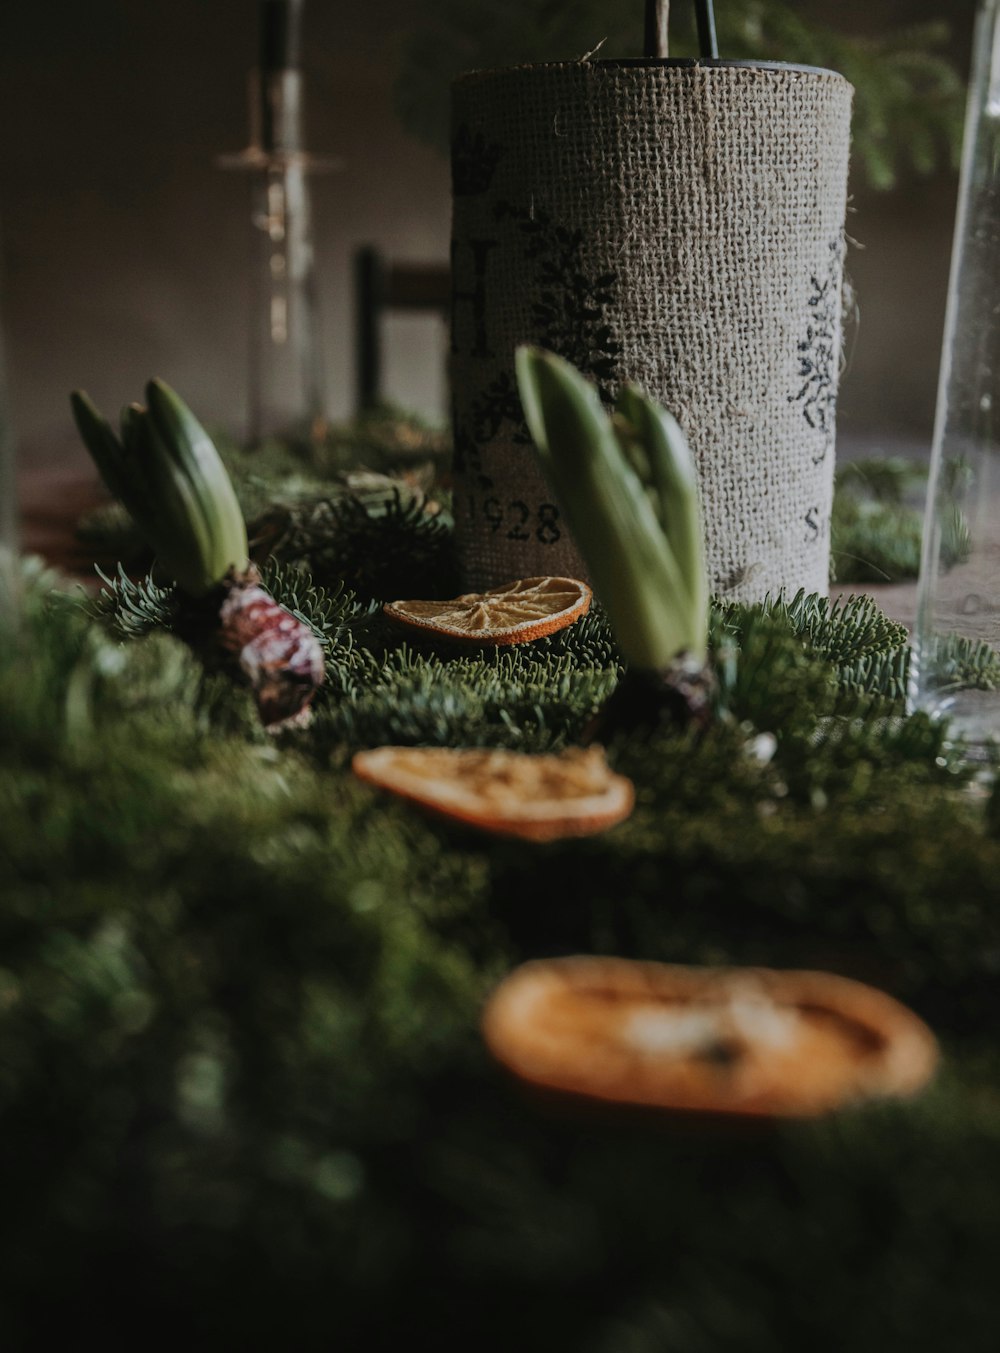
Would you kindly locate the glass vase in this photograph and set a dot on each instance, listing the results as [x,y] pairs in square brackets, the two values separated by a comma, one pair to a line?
[955,665]
[287,389]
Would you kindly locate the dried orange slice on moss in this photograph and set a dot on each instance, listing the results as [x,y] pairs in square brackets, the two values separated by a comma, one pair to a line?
[748,1041]
[537,798]
[516,613]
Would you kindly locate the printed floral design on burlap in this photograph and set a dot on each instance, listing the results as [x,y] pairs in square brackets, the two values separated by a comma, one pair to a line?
[669,225]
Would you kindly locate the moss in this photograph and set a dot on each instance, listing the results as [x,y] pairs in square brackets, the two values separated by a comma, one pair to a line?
[239,1066]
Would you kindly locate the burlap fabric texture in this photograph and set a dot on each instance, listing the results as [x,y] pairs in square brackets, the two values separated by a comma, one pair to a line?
[679,225]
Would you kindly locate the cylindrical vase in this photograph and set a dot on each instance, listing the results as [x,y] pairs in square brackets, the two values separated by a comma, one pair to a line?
[675,224]
[954,670]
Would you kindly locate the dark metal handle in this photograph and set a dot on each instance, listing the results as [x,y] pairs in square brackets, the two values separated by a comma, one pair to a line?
[708,43]
[656,43]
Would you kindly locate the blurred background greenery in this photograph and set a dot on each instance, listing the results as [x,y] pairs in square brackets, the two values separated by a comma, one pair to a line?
[126,246]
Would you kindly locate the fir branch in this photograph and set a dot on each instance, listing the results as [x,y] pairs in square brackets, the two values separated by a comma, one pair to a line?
[589,642]
[919,742]
[874,542]
[876,527]
[399,450]
[865,653]
[385,549]
[766,674]
[517,699]
[328,611]
[387,440]
[841,631]
[909,99]
[961,662]
[909,102]
[239,1001]
[864,650]
[888,479]
[134,608]
[874,683]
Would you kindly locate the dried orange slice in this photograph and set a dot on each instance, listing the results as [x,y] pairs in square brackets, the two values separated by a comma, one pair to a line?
[537,798]
[516,613]
[749,1041]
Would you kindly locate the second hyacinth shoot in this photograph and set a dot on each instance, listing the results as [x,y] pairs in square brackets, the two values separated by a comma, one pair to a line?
[626,483]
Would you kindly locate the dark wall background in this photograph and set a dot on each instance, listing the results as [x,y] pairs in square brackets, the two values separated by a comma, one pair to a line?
[125,247]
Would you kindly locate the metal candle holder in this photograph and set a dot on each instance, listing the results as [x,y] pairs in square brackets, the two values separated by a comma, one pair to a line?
[9,571]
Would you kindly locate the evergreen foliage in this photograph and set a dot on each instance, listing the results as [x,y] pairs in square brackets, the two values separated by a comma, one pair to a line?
[877,522]
[382,460]
[240,1079]
[388,547]
[315,505]
[909,98]
[133,607]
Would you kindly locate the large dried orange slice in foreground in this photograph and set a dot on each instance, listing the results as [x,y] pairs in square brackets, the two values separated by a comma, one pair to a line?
[516,613]
[538,798]
[749,1041]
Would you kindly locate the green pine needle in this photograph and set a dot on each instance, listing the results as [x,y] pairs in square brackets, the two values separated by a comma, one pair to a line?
[240,995]
[909,100]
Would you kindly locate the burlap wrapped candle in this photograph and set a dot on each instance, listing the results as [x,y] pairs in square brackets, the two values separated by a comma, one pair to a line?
[676,224]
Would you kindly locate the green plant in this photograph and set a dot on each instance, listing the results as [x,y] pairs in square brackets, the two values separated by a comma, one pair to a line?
[628,487]
[239,994]
[877,522]
[166,471]
[909,96]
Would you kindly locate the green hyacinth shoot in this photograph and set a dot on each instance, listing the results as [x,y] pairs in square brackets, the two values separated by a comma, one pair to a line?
[627,485]
[165,469]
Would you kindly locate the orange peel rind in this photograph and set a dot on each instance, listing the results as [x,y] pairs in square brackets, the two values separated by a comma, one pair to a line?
[754,1042]
[516,613]
[535,798]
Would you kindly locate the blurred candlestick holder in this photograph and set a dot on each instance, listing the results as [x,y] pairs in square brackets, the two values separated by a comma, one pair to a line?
[287,395]
[9,541]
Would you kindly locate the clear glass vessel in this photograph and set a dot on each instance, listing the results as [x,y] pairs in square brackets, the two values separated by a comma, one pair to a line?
[287,398]
[955,667]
